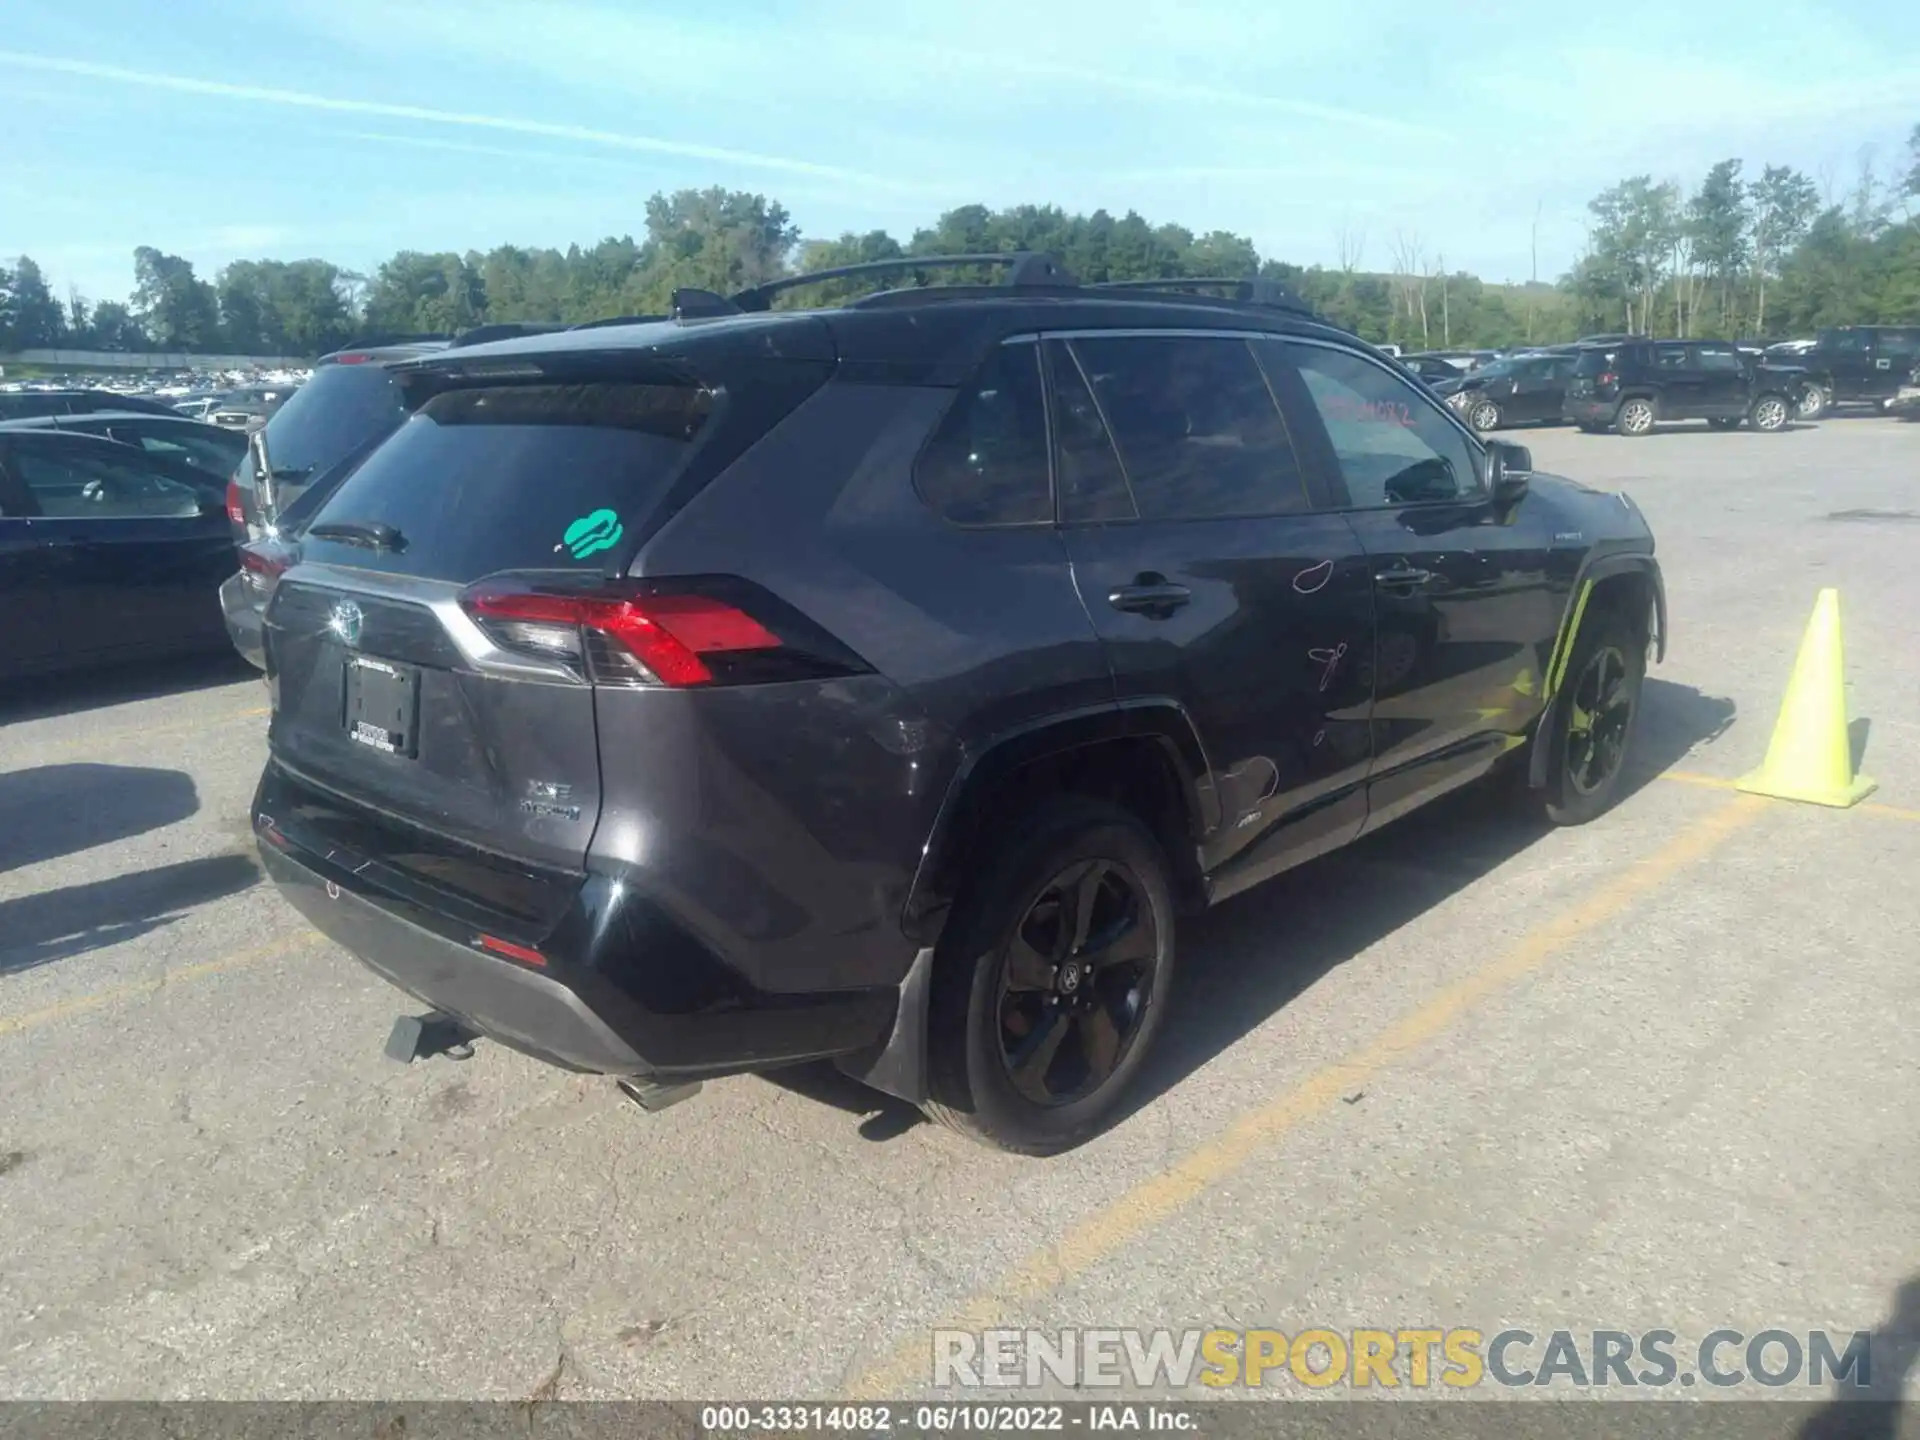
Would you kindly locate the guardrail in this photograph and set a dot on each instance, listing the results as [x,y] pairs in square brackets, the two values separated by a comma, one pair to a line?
[152,360]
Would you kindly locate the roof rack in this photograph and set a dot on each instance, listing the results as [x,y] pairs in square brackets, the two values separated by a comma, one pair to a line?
[605,321]
[504,330]
[1248,289]
[1028,268]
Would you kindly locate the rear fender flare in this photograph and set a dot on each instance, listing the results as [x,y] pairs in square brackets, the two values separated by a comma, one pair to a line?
[898,1064]
[988,763]
[1592,572]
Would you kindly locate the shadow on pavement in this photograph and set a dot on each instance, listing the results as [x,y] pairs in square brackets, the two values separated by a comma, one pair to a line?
[56,810]
[55,925]
[1873,1411]
[43,698]
[1245,960]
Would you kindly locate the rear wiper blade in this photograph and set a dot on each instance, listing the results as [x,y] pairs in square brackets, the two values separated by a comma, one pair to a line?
[370,533]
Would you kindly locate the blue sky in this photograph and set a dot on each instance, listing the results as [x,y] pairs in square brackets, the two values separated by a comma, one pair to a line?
[348,129]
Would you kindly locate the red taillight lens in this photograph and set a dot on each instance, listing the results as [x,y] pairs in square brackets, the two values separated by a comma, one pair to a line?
[1607,378]
[236,510]
[675,637]
[512,951]
[263,563]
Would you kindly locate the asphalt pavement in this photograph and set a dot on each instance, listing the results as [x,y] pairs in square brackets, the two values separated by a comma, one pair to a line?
[1656,1072]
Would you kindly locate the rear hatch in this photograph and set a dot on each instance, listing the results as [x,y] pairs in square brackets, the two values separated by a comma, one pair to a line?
[1593,375]
[435,652]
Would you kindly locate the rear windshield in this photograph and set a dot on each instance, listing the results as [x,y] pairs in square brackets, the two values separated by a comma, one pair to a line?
[336,412]
[1592,362]
[515,477]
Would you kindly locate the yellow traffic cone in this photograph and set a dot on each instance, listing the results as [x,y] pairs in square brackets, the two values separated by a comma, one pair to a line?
[1809,757]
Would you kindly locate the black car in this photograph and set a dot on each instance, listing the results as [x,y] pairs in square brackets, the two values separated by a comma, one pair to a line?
[1522,390]
[1432,370]
[26,404]
[106,553]
[1635,386]
[330,423]
[208,448]
[1857,365]
[883,684]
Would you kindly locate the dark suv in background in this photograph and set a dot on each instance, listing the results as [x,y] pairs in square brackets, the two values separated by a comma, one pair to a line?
[1633,386]
[1858,365]
[1518,390]
[883,684]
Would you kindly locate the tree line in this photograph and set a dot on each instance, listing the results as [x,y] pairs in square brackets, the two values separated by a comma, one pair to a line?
[1743,254]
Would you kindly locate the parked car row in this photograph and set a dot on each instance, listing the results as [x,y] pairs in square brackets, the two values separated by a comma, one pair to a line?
[1632,384]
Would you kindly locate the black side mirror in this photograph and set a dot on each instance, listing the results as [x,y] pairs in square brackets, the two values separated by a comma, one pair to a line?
[1509,466]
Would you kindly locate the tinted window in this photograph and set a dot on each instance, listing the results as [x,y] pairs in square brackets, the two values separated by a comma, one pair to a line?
[987,463]
[1198,431]
[1593,362]
[333,414]
[1394,447]
[1900,344]
[1713,359]
[1671,357]
[1847,342]
[515,477]
[216,453]
[1092,485]
[90,482]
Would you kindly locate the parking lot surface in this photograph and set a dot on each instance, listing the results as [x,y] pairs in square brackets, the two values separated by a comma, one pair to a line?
[1658,1071]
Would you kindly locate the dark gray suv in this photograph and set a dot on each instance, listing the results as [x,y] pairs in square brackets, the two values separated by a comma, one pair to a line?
[685,698]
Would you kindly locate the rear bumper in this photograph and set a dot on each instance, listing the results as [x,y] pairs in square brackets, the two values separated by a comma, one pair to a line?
[621,990]
[243,608]
[1587,412]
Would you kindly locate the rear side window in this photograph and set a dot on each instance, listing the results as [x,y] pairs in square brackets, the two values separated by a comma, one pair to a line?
[335,413]
[1710,358]
[1198,432]
[515,477]
[987,463]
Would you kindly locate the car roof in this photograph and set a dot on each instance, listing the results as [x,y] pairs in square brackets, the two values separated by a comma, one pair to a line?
[61,422]
[938,333]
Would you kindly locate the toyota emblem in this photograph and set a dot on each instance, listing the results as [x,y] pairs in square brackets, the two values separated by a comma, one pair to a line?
[345,621]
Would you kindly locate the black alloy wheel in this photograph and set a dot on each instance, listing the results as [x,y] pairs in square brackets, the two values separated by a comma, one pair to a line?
[1051,978]
[1600,719]
[1077,980]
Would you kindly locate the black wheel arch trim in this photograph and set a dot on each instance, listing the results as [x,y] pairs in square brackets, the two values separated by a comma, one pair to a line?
[986,763]
[1598,566]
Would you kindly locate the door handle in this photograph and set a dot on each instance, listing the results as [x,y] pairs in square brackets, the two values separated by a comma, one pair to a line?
[1151,595]
[1402,577]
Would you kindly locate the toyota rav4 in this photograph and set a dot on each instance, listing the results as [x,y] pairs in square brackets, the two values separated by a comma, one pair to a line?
[883,684]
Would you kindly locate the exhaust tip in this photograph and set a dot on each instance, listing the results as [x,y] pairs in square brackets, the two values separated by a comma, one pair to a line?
[654,1098]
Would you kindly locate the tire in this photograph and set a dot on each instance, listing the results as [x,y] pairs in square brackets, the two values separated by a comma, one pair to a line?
[1483,416]
[1770,413]
[1585,763]
[1635,417]
[1007,977]
[1815,401]
[1725,422]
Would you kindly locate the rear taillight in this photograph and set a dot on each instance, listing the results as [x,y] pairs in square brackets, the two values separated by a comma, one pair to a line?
[236,510]
[637,634]
[1607,377]
[263,564]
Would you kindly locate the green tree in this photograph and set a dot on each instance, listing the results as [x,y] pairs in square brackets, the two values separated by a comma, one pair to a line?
[1784,204]
[30,318]
[1719,223]
[177,310]
[420,294]
[114,328]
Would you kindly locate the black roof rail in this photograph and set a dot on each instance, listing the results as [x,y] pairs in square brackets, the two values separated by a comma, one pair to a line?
[1027,267]
[692,303]
[607,320]
[505,330]
[1247,289]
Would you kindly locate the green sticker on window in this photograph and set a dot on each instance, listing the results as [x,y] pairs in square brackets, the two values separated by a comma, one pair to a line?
[591,534]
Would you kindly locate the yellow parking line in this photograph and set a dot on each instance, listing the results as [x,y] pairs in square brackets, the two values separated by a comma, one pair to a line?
[80,1004]
[112,738]
[1714,782]
[1158,1198]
